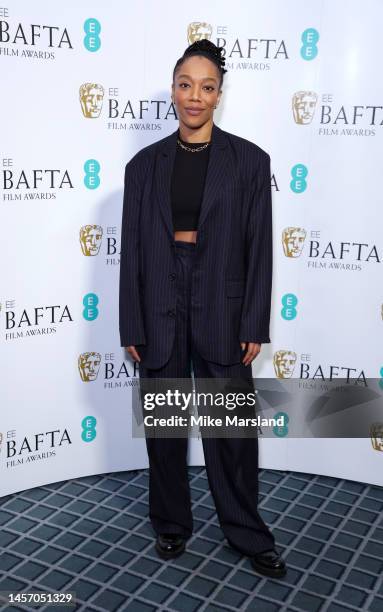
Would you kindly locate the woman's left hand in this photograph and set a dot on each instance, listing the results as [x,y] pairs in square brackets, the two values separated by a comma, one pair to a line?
[253,348]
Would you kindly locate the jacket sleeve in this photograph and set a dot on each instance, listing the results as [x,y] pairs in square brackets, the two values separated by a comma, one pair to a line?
[255,315]
[130,311]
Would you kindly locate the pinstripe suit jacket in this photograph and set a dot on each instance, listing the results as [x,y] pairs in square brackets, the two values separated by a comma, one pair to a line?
[232,277]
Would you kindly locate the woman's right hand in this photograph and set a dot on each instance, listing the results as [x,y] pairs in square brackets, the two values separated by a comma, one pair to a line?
[133,353]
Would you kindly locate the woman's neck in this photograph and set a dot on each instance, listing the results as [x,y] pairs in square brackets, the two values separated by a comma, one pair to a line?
[198,135]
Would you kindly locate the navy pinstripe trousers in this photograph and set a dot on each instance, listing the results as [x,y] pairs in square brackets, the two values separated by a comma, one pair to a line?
[231,463]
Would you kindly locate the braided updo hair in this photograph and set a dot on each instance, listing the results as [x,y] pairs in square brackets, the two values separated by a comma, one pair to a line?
[207,49]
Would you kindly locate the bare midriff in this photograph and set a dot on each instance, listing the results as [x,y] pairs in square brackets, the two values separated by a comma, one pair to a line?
[186,235]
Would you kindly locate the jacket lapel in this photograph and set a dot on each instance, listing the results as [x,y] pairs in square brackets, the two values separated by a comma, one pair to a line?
[217,171]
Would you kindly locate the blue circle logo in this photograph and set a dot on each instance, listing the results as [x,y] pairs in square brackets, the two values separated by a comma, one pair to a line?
[92,29]
[90,312]
[309,49]
[289,302]
[92,170]
[298,183]
[88,425]
[281,430]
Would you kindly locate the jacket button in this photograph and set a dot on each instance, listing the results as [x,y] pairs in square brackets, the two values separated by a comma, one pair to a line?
[172,276]
[171,313]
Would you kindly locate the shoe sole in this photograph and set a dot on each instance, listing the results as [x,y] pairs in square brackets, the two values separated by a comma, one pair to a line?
[270,572]
[169,555]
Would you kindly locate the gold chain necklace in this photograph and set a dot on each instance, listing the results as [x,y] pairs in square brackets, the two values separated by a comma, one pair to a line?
[191,149]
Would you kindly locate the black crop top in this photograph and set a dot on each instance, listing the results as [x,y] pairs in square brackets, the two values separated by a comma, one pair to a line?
[187,185]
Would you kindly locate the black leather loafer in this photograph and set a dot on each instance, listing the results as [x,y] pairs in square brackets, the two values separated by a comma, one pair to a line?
[269,563]
[170,545]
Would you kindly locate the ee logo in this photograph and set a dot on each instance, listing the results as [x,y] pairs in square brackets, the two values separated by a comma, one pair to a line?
[88,425]
[309,49]
[92,170]
[90,312]
[92,29]
[298,183]
[289,301]
[281,430]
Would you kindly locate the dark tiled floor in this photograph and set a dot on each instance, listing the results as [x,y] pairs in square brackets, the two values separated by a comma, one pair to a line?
[92,536]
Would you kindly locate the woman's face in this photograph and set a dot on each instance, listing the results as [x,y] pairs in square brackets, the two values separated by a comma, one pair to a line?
[195,91]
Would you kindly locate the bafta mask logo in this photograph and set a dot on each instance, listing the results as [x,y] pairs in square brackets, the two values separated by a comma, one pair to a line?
[293,239]
[89,365]
[198,30]
[91,97]
[377,436]
[284,363]
[1,440]
[90,239]
[304,103]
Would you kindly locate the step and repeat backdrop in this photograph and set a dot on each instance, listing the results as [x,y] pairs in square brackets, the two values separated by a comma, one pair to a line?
[83,89]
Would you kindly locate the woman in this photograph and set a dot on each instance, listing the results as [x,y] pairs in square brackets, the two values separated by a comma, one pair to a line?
[195,286]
